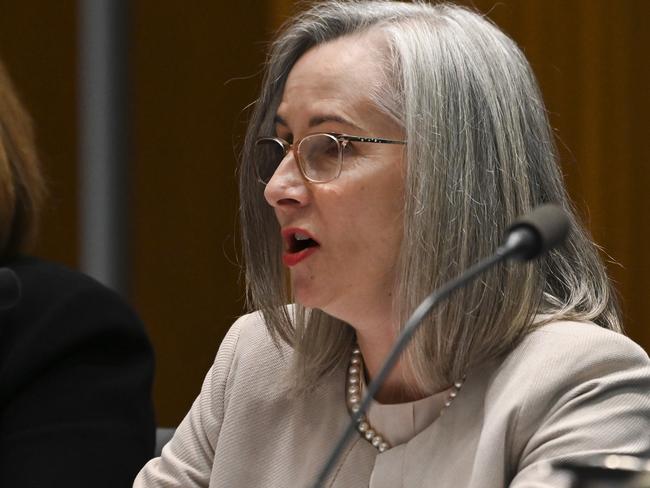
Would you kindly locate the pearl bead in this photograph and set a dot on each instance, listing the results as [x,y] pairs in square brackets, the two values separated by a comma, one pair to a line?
[354,394]
[353,398]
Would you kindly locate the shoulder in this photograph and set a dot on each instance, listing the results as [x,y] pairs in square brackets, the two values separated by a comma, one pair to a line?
[562,361]
[76,370]
[50,290]
[574,346]
[248,348]
[245,373]
[570,366]
[61,310]
[562,354]
[44,282]
[569,389]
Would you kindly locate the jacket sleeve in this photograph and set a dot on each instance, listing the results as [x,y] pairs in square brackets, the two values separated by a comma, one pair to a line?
[597,404]
[186,461]
[75,390]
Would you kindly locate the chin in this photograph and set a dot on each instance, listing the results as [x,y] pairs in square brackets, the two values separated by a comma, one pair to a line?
[325,306]
[306,300]
[309,297]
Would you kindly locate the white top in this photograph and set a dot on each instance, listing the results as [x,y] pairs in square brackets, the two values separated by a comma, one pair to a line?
[398,423]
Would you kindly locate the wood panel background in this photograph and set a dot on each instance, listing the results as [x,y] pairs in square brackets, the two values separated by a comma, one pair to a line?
[194,69]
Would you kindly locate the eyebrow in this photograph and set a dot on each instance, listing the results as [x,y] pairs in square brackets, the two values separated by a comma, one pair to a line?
[320,119]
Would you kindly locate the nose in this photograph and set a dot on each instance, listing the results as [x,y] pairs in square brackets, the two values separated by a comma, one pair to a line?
[287,188]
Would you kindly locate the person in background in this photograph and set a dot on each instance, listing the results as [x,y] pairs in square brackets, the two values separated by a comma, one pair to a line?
[76,366]
[390,148]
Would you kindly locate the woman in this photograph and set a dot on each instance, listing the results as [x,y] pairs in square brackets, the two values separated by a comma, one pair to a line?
[76,367]
[391,146]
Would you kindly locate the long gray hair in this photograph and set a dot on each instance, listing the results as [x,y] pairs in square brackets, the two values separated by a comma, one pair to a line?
[480,153]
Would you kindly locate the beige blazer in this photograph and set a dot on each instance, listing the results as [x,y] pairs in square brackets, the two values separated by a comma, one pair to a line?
[568,391]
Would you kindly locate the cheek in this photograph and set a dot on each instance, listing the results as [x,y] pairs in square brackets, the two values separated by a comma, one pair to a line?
[389,219]
[374,228]
[367,213]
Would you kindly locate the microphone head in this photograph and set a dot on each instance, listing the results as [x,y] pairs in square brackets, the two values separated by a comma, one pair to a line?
[10,289]
[537,232]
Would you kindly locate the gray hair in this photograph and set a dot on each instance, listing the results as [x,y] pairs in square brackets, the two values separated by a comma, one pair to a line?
[480,153]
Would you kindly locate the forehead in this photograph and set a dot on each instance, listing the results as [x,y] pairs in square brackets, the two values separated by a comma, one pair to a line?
[339,75]
[354,57]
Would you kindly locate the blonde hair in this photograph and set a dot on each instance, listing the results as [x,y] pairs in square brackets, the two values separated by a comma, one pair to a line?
[480,153]
[21,182]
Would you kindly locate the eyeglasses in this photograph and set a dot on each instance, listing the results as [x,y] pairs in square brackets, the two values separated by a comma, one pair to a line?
[319,156]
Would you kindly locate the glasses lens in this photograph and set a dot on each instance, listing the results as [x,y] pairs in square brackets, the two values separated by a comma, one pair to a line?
[321,157]
[267,156]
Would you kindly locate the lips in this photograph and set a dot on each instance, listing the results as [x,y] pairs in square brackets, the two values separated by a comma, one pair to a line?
[299,245]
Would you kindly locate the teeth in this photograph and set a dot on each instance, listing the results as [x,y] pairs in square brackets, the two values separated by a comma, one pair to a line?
[300,237]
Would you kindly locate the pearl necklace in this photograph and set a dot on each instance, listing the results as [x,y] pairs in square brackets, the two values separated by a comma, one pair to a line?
[354,397]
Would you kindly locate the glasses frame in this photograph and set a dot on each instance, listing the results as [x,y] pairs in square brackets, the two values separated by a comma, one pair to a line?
[341,140]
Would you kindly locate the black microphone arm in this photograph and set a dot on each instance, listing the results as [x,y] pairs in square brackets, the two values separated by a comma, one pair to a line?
[528,237]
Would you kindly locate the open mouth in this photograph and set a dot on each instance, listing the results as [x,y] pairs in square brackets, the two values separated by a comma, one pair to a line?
[299,245]
[299,242]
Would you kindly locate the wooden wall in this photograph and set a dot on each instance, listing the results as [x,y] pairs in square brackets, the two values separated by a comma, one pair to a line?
[195,66]
[38,47]
[590,60]
[194,69]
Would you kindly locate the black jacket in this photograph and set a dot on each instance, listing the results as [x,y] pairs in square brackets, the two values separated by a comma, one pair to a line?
[76,372]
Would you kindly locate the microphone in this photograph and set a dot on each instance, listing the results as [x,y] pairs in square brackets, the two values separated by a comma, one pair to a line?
[536,233]
[528,237]
[611,470]
[10,289]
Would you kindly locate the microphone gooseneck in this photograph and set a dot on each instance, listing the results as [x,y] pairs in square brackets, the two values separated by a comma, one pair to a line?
[530,236]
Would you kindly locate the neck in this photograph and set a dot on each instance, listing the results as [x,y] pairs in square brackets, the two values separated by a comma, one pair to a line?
[399,386]
[375,326]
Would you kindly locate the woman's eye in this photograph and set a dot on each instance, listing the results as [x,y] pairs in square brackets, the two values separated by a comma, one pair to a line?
[332,150]
[281,133]
[285,137]
[348,148]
